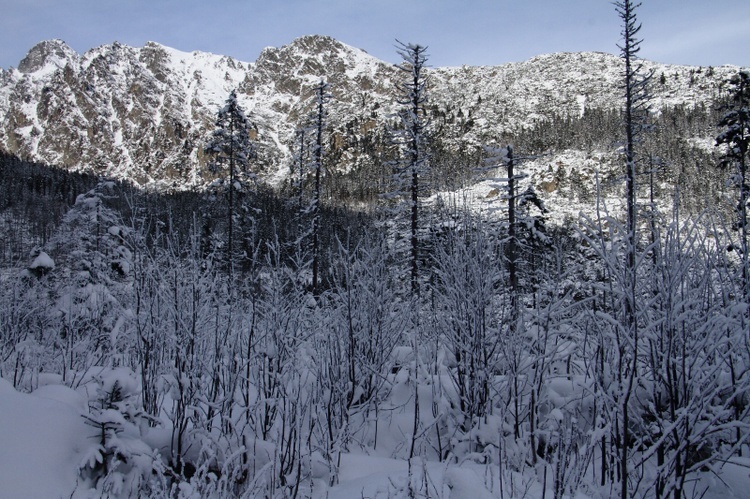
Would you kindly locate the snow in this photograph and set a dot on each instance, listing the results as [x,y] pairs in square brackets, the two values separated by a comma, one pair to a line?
[42,441]
[378,477]
[733,483]
[43,261]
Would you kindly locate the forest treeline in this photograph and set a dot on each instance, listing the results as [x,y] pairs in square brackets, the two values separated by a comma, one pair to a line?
[30,190]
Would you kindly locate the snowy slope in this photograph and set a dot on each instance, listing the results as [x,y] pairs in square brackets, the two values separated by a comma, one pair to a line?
[40,432]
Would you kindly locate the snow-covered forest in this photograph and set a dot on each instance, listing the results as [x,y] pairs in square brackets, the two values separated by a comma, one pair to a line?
[244,341]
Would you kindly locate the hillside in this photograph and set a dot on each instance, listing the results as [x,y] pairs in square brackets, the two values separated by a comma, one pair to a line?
[143,114]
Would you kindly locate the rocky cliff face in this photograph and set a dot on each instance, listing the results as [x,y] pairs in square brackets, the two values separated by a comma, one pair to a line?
[144,113]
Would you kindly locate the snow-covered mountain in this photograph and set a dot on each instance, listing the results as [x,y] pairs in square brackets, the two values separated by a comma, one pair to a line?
[144,114]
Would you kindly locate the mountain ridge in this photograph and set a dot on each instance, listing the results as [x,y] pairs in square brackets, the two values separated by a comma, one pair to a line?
[142,114]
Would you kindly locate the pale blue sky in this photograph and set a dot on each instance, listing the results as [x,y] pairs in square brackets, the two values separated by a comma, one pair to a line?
[699,32]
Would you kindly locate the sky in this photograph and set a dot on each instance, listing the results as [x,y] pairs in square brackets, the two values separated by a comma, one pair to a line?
[457,32]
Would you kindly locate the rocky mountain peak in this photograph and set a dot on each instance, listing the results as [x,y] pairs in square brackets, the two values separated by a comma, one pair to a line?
[304,46]
[49,53]
[156,58]
[295,67]
[316,44]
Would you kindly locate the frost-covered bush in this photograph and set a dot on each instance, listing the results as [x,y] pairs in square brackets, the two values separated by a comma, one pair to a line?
[118,463]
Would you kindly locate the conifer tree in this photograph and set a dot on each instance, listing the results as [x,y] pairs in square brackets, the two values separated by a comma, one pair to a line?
[413,139]
[308,171]
[232,150]
[322,96]
[634,85]
[735,137]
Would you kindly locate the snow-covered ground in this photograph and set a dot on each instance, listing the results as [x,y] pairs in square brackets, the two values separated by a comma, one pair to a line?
[47,446]
[43,439]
